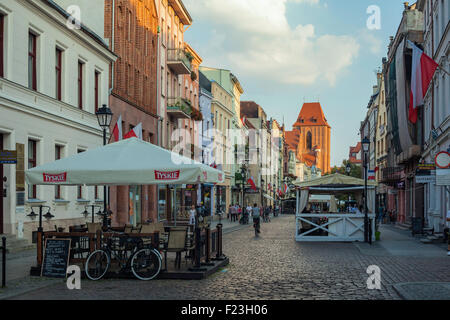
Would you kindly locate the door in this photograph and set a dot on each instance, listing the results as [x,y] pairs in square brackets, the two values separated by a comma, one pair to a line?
[1,187]
[135,205]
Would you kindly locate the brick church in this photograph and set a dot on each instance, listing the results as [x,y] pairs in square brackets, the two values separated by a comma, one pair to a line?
[311,137]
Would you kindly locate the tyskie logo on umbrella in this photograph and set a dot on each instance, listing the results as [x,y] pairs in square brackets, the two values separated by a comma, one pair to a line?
[167,175]
[55,178]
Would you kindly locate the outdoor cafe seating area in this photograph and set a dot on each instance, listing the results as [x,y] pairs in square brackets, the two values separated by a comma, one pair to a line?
[176,243]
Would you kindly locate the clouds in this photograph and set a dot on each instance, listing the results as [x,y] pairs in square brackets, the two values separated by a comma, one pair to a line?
[256,39]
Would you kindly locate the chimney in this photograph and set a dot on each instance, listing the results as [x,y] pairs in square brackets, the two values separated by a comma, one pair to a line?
[406,4]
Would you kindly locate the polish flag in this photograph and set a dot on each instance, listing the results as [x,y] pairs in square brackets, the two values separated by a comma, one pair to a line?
[136,132]
[251,182]
[286,188]
[117,131]
[422,72]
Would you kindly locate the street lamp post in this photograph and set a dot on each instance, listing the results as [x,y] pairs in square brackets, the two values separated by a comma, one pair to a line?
[366,145]
[48,216]
[104,117]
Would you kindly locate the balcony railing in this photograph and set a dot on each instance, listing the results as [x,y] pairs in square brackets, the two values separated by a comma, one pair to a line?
[391,174]
[179,108]
[178,61]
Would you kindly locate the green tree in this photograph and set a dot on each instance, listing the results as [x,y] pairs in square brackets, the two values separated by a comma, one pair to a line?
[356,170]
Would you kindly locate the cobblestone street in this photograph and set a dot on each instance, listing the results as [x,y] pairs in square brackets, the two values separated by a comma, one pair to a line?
[274,266]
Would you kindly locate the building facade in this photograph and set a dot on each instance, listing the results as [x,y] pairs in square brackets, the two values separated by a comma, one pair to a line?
[436,111]
[313,133]
[405,196]
[131,28]
[52,80]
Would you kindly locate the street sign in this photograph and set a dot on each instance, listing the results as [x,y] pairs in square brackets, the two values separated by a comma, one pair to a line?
[442,160]
[8,156]
[426,179]
[426,173]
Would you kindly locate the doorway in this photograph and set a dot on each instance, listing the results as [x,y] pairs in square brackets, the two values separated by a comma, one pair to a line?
[135,205]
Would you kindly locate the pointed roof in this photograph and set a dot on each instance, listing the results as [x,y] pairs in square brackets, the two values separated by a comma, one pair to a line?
[311,115]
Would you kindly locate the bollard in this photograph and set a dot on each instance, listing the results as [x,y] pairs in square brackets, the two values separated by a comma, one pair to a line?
[198,266]
[219,255]
[208,249]
[3,262]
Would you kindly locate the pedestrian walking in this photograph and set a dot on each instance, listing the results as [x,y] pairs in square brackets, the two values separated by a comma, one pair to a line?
[233,213]
[192,214]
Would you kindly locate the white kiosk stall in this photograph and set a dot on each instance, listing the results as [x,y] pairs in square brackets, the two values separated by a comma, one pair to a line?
[333,226]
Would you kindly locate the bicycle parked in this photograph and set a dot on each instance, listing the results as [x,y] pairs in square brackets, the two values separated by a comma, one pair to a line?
[132,253]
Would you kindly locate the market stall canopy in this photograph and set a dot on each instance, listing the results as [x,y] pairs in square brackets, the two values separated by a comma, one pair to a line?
[336,182]
[127,162]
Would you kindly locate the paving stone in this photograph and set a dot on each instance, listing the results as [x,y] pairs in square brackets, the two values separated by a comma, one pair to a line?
[275,266]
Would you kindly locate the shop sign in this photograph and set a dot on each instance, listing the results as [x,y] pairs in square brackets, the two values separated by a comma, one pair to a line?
[55,178]
[401,185]
[8,156]
[167,175]
[426,179]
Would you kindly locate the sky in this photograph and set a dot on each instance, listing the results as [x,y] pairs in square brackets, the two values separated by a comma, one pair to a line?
[287,52]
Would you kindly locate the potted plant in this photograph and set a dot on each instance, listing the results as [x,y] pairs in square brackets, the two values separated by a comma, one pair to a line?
[189,56]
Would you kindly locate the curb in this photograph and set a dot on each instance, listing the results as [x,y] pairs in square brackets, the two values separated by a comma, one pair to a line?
[442,287]
[14,288]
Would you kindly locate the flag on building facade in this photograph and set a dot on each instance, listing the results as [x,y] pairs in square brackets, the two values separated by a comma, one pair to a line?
[251,182]
[371,175]
[422,72]
[117,131]
[286,188]
[136,132]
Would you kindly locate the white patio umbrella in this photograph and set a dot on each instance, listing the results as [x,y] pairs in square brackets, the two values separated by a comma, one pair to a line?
[127,162]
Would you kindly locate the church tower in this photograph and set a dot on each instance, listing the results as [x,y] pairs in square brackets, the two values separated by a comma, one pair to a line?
[314,142]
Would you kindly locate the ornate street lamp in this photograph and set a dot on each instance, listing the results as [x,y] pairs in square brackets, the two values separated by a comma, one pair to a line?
[366,145]
[33,216]
[104,117]
[348,169]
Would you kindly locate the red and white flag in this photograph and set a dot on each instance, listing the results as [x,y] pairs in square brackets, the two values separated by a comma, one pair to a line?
[286,188]
[371,175]
[136,132]
[422,72]
[251,182]
[117,131]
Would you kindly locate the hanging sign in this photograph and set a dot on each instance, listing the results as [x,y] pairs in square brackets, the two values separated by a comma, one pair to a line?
[8,156]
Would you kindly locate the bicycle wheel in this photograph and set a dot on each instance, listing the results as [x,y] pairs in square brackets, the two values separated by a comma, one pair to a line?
[97,264]
[146,264]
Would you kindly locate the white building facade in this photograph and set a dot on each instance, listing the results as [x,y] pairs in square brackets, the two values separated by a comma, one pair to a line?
[437,105]
[53,79]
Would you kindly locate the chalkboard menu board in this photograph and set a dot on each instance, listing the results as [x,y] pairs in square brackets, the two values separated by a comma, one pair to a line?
[56,258]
